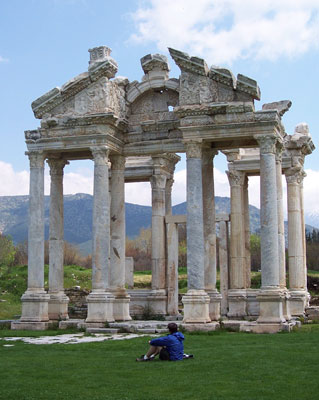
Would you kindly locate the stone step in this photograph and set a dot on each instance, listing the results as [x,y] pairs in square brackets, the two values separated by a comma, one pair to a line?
[102,330]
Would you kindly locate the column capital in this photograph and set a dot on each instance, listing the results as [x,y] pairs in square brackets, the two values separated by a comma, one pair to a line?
[193,148]
[117,161]
[294,175]
[208,154]
[267,143]
[236,178]
[169,184]
[57,165]
[36,159]
[158,181]
[100,155]
[279,151]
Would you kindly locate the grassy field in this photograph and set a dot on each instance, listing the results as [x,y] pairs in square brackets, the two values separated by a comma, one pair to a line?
[230,366]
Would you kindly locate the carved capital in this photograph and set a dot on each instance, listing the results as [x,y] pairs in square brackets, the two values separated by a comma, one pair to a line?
[267,144]
[36,159]
[295,176]
[117,161]
[158,182]
[208,155]
[56,166]
[279,151]
[193,149]
[169,185]
[236,178]
[100,155]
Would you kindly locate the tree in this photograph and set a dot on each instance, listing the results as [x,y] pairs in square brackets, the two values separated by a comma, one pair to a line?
[7,250]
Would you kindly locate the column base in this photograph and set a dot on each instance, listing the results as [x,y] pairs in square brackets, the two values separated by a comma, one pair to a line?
[215,304]
[100,307]
[252,304]
[196,307]
[299,300]
[121,305]
[35,306]
[286,305]
[58,306]
[271,306]
[157,302]
[237,303]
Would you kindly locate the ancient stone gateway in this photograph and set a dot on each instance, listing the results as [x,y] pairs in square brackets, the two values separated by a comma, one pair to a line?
[132,132]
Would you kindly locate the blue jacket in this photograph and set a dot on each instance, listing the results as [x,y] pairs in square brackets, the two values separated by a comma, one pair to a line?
[173,343]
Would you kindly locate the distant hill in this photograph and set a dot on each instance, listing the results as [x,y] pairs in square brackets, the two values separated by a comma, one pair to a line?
[78,217]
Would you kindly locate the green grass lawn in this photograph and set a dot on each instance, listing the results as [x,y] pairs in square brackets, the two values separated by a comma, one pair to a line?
[226,366]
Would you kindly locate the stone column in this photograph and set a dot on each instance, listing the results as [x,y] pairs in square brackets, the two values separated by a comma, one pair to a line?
[58,304]
[223,220]
[196,301]
[297,274]
[172,268]
[281,234]
[117,253]
[271,296]
[35,299]
[247,232]
[210,233]
[100,302]
[158,298]
[237,275]
[168,196]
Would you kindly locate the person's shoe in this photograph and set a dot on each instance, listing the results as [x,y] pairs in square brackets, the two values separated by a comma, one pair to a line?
[188,356]
[144,359]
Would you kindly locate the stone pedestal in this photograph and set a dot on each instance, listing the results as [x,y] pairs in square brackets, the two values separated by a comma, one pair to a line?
[100,307]
[58,306]
[214,304]
[271,306]
[196,307]
[196,301]
[237,303]
[298,301]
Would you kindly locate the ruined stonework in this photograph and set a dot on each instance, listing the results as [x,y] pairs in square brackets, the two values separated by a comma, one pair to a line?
[132,131]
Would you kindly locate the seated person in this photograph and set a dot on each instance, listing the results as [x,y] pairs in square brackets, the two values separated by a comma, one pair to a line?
[168,347]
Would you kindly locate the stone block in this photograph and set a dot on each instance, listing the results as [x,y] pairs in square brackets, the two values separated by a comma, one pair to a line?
[71,323]
[210,326]
[29,326]
[110,331]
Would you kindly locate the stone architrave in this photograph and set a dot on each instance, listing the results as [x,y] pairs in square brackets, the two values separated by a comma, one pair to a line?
[117,247]
[35,299]
[297,274]
[210,232]
[58,304]
[196,301]
[100,302]
[158,295]
[237,274]
[271,296]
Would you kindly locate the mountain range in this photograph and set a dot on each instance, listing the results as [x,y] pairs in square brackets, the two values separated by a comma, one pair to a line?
[78,217]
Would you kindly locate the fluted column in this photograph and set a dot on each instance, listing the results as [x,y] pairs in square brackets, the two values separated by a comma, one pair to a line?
[210,232]
[117,250]
[35,299]
[247,233]
[58,304]
[168,196]
[237,274]
[281,233]
[196,301]
[100,302]
[297,269]
[270,297]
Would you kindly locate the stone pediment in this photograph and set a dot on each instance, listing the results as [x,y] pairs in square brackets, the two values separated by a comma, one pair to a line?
[87,94]
[201,85]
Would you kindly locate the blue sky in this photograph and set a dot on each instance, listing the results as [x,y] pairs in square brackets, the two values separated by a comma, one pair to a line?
[44,43]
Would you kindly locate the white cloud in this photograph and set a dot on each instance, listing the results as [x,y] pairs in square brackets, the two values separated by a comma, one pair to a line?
[138,193]
[11,182]
[223,31]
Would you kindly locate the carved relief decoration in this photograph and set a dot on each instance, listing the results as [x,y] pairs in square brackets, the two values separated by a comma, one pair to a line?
[36,159]
[57,166]
[158,182]
[100,155]
[236,178]
[267,143]
[193,149]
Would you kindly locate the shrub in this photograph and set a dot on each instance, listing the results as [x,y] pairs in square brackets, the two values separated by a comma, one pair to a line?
[7,250]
